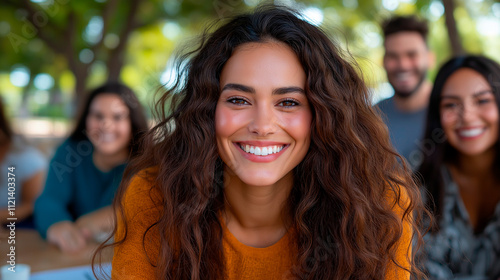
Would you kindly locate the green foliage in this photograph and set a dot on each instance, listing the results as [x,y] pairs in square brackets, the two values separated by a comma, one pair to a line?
[49,37]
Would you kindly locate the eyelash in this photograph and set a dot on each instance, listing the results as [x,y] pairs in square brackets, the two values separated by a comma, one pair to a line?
[449,105]
[453,105]
[235,99]
[240,101]
[484,101]
[296,103]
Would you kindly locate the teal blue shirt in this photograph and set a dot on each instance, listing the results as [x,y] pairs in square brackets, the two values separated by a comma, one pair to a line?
[74,186]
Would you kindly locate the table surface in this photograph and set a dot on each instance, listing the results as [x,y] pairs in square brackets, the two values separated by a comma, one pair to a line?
[31,249]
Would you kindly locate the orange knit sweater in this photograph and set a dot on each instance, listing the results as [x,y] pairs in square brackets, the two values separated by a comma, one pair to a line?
[130,261]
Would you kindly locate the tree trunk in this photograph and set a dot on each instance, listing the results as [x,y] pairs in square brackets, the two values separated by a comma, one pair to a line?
[117,56]
[80,90]
[451,25]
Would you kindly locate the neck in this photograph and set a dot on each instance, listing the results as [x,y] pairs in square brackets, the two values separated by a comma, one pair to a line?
[477,166]
[254,214]
[415,102]
[106,162]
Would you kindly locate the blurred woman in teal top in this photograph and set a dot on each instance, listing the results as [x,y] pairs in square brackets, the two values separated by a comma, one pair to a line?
[87,168]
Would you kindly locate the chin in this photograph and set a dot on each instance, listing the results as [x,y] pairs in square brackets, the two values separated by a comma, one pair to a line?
[404,94]
[108,150]
[259,180]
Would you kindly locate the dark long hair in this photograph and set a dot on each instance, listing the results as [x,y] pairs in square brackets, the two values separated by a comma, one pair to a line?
[136,114]
[442,152]
[340,188]
[5,129]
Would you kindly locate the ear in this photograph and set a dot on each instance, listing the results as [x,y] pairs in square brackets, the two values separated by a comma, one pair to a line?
[431,59]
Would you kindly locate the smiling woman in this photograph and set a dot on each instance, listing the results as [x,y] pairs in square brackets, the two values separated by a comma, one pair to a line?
[262,108]
[462,173]
[86,169]
[272,165]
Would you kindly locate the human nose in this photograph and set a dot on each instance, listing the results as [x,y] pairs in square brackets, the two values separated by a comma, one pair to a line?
[106,124]
[263,122]
[404,63]
[467,113]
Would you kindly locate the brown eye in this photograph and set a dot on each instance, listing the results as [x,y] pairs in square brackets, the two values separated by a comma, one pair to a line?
[484,101]
[288,103]
[118,118]
[97,116]
[237,101]
[449,105]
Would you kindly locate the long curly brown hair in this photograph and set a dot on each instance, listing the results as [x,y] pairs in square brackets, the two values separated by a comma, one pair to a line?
[340,188]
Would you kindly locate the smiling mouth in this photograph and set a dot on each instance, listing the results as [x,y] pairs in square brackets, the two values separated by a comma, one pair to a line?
[403,76]
[261,151]
[107,137]
[467,133]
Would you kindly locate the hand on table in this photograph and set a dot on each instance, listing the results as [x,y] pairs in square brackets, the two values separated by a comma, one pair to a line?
[74,236]
[67,236]
[93,225]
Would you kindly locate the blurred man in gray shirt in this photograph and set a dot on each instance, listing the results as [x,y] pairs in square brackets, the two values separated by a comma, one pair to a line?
[407,59]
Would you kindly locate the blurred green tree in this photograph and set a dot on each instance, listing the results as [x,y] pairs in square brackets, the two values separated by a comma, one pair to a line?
[83,43]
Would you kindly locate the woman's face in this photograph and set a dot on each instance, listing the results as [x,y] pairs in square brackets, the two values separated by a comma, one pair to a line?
[108,124]
[469,113]
[262,119]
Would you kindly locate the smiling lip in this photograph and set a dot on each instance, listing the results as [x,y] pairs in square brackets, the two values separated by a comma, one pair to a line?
[261,144]
[470,133]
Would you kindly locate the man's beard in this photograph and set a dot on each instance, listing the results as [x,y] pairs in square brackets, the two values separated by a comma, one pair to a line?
[408,93]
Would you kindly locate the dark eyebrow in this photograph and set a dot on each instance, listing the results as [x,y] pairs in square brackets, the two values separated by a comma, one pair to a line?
[288,90]
[238,87]
[477,94]
[450,97]
[483,92]
[248,89]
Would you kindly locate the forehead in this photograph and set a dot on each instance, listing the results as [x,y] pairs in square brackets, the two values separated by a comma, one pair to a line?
[263,64]
[465,82]
[405,41]
[108,102]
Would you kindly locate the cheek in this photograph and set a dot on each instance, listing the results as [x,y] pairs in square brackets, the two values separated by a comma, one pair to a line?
[491,115]
[299,126]
[390,63]
[91,125]
[222,122]
[125,129]
[227,121]
[423,63]
[447,120]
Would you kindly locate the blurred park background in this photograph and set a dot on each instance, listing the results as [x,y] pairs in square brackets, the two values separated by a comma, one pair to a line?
[53,51]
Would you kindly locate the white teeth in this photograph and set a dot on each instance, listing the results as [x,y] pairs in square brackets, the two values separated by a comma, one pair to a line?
[107,137]
[402,76]
[470,132]
[261,151]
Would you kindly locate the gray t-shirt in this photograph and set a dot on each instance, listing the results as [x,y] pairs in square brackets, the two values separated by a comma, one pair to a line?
[406,131]
[27,161]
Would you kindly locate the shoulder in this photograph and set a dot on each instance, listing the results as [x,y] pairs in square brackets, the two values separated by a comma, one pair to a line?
[400,201]
[139,244]
[142,194]
[27,155]
[28,158]
[74,149]
[397,197]
[385,105]
[143,181]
